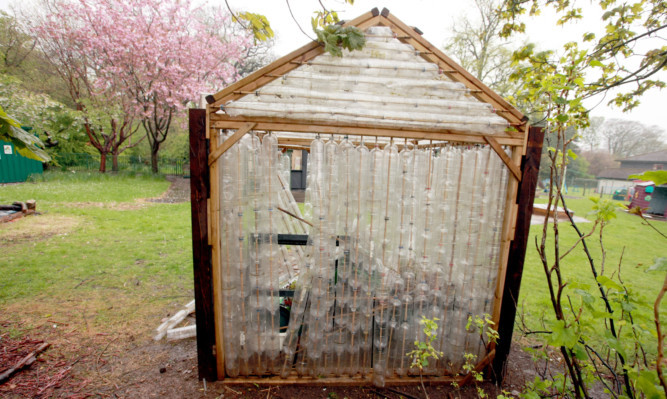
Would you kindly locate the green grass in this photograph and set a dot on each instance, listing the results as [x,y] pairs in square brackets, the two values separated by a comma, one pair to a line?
[53,187]
[625,235]
[96,248]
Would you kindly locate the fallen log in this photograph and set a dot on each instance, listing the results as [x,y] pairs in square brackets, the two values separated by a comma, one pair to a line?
[25,362]
[16,215]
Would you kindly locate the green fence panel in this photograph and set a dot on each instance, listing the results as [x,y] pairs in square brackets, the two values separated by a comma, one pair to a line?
[15,167]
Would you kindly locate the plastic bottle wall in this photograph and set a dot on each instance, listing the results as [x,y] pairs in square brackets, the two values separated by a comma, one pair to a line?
[397,234]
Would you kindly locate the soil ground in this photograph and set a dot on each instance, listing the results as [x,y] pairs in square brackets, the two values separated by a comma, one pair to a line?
[82,363]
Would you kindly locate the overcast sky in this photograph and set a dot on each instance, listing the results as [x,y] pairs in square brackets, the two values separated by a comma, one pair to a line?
[435,18]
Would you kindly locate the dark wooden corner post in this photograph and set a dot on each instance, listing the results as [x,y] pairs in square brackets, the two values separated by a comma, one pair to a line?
[201,251]
[530,166]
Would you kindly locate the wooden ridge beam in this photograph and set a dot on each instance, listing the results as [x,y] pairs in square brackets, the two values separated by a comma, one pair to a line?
[504,157]
[218,151]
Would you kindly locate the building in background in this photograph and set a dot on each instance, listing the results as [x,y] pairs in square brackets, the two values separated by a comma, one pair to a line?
[610,180]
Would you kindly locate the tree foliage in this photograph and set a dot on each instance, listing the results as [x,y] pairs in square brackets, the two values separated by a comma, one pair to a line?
[586,317]
[334,37]
[599,160]
[136,61]
[22,59]
[53,121]
[629,28]
[325,25]
[15,44]
[589,137]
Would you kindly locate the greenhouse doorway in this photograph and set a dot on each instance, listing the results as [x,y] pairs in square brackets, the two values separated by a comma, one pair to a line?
[298,172]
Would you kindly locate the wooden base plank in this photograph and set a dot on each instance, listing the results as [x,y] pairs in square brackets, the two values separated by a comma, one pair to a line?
[293,379]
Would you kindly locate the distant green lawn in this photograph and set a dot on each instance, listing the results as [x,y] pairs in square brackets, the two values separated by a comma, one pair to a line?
[97,248]
[626,235]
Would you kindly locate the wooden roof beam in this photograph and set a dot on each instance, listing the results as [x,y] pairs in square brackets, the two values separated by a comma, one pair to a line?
[279,67]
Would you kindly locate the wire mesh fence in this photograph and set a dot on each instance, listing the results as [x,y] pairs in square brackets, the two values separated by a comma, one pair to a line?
[84,161]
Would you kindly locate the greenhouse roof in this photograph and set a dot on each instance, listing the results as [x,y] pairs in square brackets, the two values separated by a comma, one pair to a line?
[397,81]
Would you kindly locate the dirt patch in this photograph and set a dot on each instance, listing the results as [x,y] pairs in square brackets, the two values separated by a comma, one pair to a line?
[125,364]
[117,206]
[117,358]
[37,227]
[179,191]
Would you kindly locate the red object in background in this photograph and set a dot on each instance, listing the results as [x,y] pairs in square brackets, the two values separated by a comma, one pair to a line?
[639,199]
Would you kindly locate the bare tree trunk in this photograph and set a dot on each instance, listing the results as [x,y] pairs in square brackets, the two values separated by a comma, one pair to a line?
[154,158]
[114,162]
[103,162]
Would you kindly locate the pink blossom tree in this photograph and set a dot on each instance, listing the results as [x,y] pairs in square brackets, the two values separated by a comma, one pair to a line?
[149,58]
[108,120]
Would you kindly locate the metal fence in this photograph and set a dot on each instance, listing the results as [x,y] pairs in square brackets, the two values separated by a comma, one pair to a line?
[83,161]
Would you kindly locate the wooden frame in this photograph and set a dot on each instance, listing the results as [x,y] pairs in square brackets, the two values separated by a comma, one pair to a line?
[205,182]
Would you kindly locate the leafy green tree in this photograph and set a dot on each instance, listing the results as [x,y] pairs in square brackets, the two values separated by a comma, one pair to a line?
[15,44]
[599,160]
[53,121]
[22,59]
[589,137]
[556,83]
[26,144]
[611,52]
[328,32]
[424,350]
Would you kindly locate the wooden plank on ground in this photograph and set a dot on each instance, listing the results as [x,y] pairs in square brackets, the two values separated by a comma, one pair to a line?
[293,379]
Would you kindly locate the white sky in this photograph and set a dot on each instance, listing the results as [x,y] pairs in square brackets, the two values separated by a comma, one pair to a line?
[435,18]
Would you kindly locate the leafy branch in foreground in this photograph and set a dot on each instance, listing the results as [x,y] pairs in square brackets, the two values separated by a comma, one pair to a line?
[333,36]
[617,53]
[424,350]
[593,324]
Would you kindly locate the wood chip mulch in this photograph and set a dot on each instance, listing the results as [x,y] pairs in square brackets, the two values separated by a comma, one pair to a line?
[41,379]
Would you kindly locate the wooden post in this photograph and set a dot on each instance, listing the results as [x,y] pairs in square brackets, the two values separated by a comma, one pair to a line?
[530,166]
[201,250]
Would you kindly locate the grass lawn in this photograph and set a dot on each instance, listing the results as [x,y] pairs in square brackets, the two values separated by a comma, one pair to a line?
[96,272]
[626,235]
[99,252]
